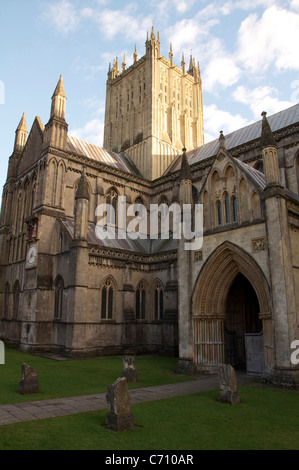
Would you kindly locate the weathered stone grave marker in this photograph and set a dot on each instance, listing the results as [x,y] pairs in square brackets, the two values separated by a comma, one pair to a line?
[29,382]
[228,385]
[129,369]
[119,418]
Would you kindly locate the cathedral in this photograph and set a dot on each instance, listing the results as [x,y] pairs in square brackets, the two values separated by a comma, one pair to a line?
[233,299]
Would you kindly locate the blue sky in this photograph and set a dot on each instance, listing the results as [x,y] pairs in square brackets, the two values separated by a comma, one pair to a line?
[247,50]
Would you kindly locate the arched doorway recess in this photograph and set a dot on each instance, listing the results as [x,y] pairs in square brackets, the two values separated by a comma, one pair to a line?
[215,298]
[242,322]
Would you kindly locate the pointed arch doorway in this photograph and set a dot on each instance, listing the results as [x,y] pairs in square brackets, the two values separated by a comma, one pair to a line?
[231,312]
[242,321]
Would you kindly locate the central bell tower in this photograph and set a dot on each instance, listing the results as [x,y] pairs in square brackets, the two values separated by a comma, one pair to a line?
[153,109]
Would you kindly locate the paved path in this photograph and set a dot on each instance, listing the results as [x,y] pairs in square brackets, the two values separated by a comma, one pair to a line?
[29,411]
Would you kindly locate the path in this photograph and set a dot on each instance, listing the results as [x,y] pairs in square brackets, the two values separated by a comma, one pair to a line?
[34,410]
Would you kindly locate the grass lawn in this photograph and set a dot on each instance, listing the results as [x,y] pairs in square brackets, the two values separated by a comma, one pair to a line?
[59,379]
[266,419]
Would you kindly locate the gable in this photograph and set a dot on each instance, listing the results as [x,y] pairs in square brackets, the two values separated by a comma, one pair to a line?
[33,147]
[231,192]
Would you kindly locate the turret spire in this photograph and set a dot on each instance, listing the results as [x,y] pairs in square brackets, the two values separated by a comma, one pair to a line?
[59,90]
[171,56]
[21,134]
[185,173]
[183,63]
[153,33]
[55,134]
[267,137]
[222,140]
[59,100]
[135,54]
[124,63]
[83,189]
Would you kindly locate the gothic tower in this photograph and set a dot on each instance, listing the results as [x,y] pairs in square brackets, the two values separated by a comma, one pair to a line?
[153,109]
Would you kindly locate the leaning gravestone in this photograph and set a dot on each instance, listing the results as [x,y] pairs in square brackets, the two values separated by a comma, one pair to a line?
[120,417]
[29,382]
[129,369]
[228,385]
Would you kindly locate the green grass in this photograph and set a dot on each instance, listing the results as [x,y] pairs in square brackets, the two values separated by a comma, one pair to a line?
[265,420]
[79,377]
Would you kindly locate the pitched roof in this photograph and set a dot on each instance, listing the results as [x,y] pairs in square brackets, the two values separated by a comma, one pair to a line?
[241,136]
[94,152]
[120,241]
[255,175]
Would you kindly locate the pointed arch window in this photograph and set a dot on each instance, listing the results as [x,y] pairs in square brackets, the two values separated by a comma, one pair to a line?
[140,301]
[219,213]
[227,208]
[163,208]
[16,299]
[159,301]
[235,209]
[6,299]
[107,300]
[59,288]
[111,206]
[139,206]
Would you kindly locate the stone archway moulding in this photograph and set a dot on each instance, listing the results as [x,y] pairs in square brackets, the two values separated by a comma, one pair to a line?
[217,275]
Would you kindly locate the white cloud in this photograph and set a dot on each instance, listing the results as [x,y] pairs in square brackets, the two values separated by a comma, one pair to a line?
[263,98]
[182,5]
[124,23]
[62,15]
[92,132]
[295,5]
[221,72]
[190,33]
[271,39]
[216,120]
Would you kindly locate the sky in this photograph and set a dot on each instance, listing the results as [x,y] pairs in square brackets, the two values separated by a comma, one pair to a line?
[247,51]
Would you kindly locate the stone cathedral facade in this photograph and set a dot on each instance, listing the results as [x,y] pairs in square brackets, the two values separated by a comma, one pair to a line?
[235,299]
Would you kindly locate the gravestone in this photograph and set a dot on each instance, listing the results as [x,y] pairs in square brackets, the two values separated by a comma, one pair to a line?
[120,417]
[129,369]
[29,382]
[228,385]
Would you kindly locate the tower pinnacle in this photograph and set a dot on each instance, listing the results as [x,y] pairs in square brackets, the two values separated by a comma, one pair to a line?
[21,134]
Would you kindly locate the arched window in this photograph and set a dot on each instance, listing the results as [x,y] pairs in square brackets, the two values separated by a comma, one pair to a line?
[139,207]
[140,301]
[235,209]
[6,299]
[16,299]
[255,206]
[18,213]
[227,208]
[52,170]
[219,213]
[159,301]
[206,213]
[163,206]
[111,206]
[59,287]
[32,199]
[107,300]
